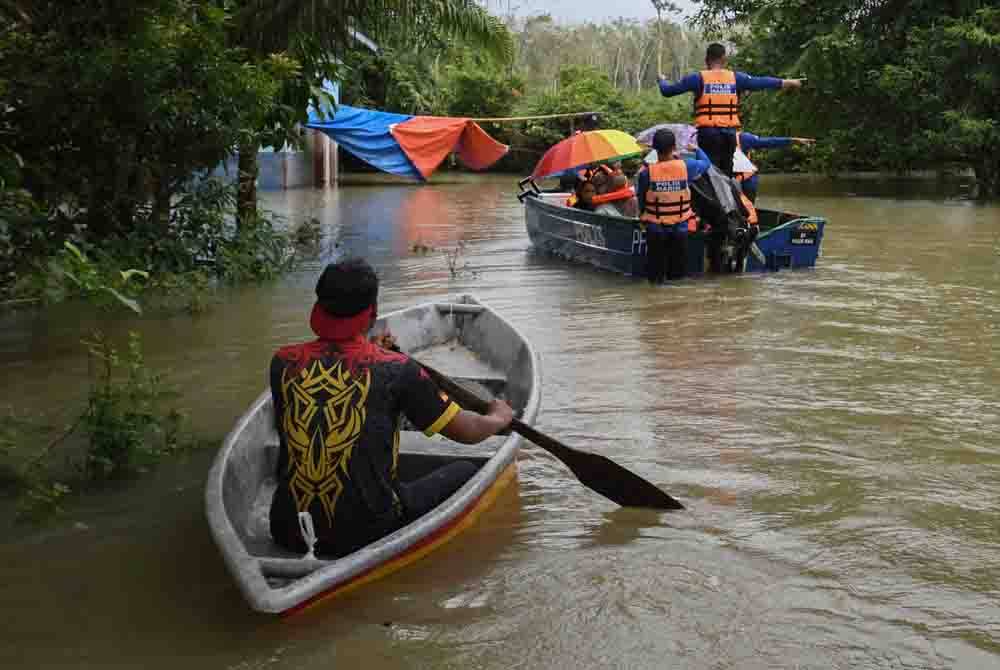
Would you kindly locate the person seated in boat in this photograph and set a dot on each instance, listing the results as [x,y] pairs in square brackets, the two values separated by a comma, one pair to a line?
[337,407]
[617,198]
[747,142]
[665,206]
[716,91]
[584,196]
[601,180]
[588,174]
[567,180]
[617,170]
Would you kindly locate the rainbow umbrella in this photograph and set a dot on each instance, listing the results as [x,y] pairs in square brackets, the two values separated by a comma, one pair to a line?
[593,146]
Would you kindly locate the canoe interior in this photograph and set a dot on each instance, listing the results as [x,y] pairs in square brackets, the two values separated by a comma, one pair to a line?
[463,340]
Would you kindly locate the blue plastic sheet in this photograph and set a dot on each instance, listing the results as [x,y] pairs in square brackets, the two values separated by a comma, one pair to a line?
[365,133]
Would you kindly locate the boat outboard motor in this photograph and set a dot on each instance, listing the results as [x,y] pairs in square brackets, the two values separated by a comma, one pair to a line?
[716,199]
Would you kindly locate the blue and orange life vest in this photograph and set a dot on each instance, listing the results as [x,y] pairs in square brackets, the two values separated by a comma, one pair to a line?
[668,198]
[751,210]
[718,105]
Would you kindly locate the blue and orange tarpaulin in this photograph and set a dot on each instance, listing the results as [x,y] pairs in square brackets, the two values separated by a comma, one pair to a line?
[410,146]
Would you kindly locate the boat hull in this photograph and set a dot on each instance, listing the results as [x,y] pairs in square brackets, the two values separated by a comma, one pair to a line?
[618,244]
[241,481]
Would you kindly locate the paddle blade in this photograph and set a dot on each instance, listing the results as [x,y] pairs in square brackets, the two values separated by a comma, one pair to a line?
[599,474]
[604,476]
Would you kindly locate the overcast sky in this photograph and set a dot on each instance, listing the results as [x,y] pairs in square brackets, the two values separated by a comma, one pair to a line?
[585,10]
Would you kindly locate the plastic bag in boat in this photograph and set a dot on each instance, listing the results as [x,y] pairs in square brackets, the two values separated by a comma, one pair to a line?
[716,199]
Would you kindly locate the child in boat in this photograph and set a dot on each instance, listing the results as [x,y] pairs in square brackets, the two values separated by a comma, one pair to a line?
[620,198]
[585,192]
[337,407]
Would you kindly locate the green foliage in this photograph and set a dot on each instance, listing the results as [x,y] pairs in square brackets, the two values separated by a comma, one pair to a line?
[480,91]
[125,424]
[312,31]
[257,252]
[627,51]
[202,247]
[73,274]
[117,106]
[268,26]
[400,81]
[126,427]
[42,499]
[203,238]
[39,495]
[582,89]
[307,234]
[609,69]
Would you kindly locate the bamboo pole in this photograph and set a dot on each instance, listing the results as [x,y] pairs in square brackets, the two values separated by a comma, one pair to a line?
[531,118]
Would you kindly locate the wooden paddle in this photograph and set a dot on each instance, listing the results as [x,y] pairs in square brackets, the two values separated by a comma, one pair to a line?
[596,472]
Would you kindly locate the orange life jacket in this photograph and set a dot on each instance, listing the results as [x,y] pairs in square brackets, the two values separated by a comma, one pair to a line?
[668,198]
[624,193]
[718,106]
[751,210]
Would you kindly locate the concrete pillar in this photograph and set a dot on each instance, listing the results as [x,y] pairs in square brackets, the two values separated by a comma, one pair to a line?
[334,163]
[323,151]
[319,146]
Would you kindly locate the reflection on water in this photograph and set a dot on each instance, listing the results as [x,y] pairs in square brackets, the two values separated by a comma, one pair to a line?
[834,433]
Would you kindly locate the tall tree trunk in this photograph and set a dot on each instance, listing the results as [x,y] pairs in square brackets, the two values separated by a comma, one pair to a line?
[618,61]
[988,179]
[645,55]
[126,178]
[246,202]
[161,201]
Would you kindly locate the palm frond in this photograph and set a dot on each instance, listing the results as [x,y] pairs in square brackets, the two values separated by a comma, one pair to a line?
[268,26]
[473,24]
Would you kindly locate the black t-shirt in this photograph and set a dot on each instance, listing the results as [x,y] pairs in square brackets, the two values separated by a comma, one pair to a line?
[337,410]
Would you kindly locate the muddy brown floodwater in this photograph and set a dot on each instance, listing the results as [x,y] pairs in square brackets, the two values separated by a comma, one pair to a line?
[834,433]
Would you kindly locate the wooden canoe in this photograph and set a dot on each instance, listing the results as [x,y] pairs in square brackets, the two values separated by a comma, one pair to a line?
[466,340]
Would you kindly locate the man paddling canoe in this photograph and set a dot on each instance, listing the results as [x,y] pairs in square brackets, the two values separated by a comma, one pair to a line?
[337,406]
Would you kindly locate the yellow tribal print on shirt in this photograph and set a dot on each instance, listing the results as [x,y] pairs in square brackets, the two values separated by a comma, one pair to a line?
[323,416]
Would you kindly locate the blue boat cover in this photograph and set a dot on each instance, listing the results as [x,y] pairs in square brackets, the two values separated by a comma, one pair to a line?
[365,133]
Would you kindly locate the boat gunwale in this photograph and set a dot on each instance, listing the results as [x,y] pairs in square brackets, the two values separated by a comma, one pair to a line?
[636,223]
[246,568]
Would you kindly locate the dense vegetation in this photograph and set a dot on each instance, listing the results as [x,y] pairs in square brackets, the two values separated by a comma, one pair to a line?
[557,68]
[111,114]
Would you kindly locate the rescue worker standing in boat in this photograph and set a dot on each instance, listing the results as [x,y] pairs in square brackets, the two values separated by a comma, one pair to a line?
[337,407]
[716,105]
[665,206]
